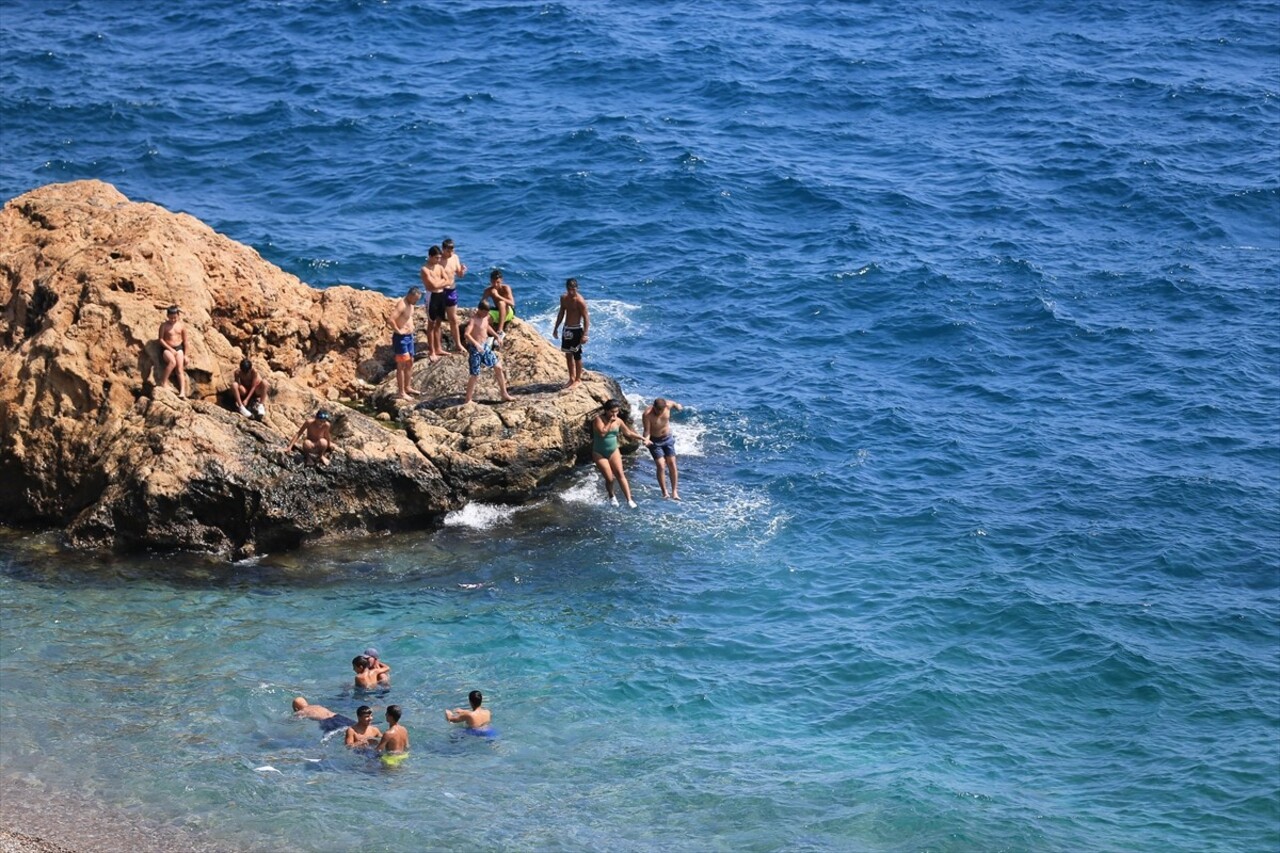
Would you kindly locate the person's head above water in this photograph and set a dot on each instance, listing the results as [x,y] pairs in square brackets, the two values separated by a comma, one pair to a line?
[371,653]
[299,703]
[393,714]
[363,711]
[433,252]
[475,697]
[359,663]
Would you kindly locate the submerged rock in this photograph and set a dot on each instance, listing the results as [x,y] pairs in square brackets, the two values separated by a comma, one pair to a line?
[90,443]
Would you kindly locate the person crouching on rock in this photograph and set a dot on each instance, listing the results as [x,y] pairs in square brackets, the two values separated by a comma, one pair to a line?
[173,347]
[318,443]
[250,391]
[479,340]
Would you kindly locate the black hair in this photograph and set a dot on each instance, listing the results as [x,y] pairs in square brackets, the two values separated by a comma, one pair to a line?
[484,304]
[393,713]
[571,282]
[361,661]
[475,697]
[173,309]
[362,710]
[494,275]
[447,242]
[433,251]
[612,404]
[246,364]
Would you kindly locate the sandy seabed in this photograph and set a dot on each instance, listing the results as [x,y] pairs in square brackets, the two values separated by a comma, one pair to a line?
[38,820]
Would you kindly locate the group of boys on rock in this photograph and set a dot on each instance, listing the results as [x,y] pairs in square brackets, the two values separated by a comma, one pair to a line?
[392,744]
[485,333]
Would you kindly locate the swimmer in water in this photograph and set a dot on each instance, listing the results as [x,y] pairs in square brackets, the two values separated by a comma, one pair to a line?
[327,719]
[364,732]
[394,742]
[476,718]
[366,677]
[377,665]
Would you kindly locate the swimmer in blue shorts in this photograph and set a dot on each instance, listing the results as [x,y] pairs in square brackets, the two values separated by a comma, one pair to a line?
[328,720]
[401,321]
[477,719]
[479,340]
[657,428]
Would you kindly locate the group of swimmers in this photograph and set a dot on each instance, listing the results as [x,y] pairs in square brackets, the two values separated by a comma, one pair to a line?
[485,333]
[392,744]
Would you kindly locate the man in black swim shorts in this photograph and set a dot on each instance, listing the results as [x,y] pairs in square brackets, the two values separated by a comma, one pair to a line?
[573,313]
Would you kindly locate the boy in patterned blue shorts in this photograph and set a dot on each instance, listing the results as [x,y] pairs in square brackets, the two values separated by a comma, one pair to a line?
[479,341]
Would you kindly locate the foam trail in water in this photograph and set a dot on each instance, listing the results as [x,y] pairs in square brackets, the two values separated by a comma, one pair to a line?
[481,516]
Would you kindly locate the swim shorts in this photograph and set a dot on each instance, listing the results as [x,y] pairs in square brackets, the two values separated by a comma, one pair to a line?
[571,342]
[436,305]
[480,358]
[393,759]
[450,296]
[663,447]
[402,345]
[493,316]
[337,721]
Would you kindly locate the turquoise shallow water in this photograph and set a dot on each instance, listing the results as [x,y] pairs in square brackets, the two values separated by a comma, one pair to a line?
[973,305]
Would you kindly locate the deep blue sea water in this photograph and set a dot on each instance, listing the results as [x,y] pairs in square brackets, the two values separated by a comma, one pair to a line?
[974,309]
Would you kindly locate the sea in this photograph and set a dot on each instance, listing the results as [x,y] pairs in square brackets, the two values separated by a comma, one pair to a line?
[973,309]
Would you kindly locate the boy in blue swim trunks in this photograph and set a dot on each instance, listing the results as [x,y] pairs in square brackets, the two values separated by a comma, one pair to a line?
[480,349]
[657,428]
[401,322]
[476,718]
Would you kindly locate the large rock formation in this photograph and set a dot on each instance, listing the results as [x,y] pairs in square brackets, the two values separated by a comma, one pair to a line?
[89,442]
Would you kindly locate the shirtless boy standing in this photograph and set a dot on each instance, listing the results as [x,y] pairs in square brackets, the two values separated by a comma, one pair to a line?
[454,269]
[367,678]
[250,390]
[396,738]
[401,322]
[318,443]
[481,353]
[573,313]
[435,280]
[476,718]
[657,428]
[173,347]
[364,732]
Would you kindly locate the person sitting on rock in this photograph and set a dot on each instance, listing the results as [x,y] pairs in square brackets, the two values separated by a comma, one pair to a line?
[504,301]
[318,443]
[250,391]
[480,349]
[173,347]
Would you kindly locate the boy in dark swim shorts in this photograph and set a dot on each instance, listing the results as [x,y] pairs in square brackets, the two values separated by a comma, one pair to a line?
[573,313]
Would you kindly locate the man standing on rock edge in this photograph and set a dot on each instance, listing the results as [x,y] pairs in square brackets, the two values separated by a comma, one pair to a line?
[173,347]
[454,269]
[401,322]
[480,351]
[573,313]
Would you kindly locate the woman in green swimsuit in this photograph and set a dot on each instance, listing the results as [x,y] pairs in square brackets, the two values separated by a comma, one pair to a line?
[604,449]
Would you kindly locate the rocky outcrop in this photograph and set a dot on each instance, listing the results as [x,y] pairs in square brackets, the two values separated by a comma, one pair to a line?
[89,442]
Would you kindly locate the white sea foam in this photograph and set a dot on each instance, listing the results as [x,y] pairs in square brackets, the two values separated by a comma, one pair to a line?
[480,516]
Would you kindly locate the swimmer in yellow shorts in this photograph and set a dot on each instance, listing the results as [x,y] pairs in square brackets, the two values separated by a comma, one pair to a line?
[393,747]
[504,301]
